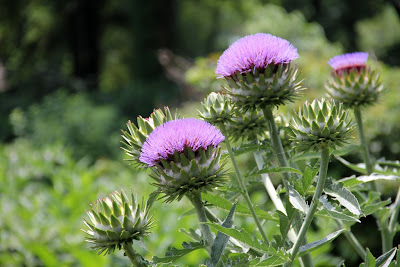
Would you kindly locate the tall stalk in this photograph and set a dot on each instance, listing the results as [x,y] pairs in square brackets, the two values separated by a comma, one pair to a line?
[136,259]
[314,204]
[195,198]
[280,155]
[239,180]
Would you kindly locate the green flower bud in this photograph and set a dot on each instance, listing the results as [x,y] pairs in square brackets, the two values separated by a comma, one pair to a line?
[116,220]
[275,86]
[216,108]
[250,125]
[320,124]
[137,135]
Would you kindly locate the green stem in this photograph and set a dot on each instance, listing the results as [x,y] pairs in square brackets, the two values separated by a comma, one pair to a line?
[276,143]
[385,231]
[314,204]
[353,241]
[280,155]
[195,198]
[363,142]
[239,180]
[136,259]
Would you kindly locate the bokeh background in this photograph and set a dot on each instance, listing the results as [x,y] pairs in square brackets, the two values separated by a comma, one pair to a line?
[73,72]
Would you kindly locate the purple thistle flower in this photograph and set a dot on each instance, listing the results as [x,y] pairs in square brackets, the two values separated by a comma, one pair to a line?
[175,136]
[258,50]
[356,60]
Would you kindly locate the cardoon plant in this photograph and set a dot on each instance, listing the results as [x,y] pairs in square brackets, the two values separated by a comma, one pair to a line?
[186,159]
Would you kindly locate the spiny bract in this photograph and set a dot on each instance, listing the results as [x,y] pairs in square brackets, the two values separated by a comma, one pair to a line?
[320,124]
[116,220]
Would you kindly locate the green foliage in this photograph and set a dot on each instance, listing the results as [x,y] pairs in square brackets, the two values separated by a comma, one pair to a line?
[73,121]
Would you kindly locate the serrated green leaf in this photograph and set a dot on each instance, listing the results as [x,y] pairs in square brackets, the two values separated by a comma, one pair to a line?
[362,169]
[369,209]
[353,180]
[224,204]
[344,196]
[369,260]
[386,259]
[221,239]
[317,244]
[270,261]
[331,211]
[174,253]
[284,224]
[308,177]
[297,200]
[242,236]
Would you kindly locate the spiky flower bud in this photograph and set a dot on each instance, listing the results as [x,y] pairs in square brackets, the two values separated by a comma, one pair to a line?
[352,82]
[185,156]
[116,220]
[137,135]
[257,71]
[250,125]
[320,124]
[216,109]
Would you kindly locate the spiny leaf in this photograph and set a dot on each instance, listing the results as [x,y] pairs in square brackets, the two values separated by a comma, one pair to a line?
[221,239]
[334,213]
[224,204]
[242,236]
[297,200]
[344,196]
[353,180]
[250,147]
[174,253]
[317,244]
[386,259]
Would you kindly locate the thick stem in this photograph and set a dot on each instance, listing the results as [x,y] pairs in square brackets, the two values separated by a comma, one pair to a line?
[280,155]
[314,204]
[136,259]
[239,180]
[195,198]
[276,143]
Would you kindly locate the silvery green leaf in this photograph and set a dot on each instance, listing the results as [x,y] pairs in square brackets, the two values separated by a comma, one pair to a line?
[386,259]
[369,260]
[353,180]
[297,200]
[317,244]
[344,196]
[225,204]
[221,239]
[174,253]
[241,236]
[334,213]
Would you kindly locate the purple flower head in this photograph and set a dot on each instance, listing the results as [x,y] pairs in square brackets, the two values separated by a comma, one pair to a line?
[175,136]
[356,60]
[258,50]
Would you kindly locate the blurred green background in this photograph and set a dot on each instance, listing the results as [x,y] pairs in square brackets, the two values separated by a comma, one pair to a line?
[73,72]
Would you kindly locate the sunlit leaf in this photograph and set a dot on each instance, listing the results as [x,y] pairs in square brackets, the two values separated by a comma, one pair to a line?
[344,196]
[317,244]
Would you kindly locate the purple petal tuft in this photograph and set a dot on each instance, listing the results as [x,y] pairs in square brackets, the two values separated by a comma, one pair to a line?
[258,50]
[350,60]
[175,136]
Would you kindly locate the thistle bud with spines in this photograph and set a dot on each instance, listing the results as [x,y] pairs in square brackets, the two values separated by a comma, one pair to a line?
[116,220]
[216,108]
[320,124]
